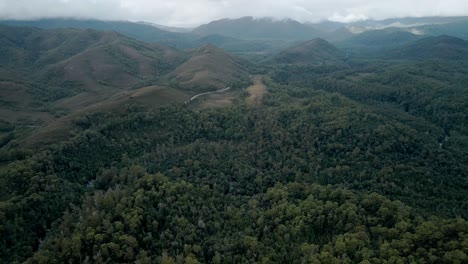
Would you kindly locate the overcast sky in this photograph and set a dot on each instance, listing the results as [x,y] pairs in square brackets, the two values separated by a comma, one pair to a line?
[195,12]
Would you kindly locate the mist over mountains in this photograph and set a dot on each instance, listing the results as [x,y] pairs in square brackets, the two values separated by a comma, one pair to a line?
[266,35]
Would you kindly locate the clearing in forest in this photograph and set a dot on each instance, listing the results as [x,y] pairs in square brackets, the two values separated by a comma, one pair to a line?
[256,91]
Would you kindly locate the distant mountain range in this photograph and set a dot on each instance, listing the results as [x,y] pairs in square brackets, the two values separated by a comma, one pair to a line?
[143,32]
[149,32]
[248,35]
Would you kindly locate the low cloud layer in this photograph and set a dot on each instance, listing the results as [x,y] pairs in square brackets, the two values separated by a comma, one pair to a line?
[195,12]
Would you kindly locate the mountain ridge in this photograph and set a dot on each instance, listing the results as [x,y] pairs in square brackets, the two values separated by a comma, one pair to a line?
[315,51]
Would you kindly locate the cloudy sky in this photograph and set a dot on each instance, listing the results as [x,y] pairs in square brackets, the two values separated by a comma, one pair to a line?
[195,12]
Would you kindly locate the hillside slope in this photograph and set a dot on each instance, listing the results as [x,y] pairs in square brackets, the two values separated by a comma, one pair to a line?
[457,29]
[50,77]
[379,39]
[209,68]
[441,47]
[45,72]
[315,51]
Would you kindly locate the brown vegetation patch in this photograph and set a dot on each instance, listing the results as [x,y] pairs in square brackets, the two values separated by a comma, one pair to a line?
[256,91]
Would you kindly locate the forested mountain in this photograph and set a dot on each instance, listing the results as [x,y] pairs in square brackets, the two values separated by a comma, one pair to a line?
[356,160]
[262,28]
[316,51]
[154,34]
[138,31]
[266,35]
[379,39]
[441,47]
[457,29]
[407,23]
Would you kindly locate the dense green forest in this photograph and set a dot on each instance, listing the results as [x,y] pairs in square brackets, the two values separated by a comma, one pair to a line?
[339,164]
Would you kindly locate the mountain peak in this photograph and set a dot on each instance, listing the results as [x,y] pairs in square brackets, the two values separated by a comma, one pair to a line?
[209,68]
[259,28]
[316,41]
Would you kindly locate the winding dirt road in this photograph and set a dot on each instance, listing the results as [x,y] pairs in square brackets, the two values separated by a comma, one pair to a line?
[207,93]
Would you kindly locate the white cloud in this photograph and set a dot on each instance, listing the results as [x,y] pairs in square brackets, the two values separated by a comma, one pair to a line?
[350,17]
[194,12]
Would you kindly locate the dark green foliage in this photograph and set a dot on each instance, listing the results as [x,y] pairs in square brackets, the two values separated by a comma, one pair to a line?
[51,93]
[156,220]
[434,90]
[441,47]
[4,139]
[290,181]
[6,126]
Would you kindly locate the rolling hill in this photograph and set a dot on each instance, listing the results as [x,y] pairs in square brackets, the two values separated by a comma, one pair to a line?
[316,51]
[441,47]
[262,28]
[50,77]
[50,73]
[83,60]
[209,68]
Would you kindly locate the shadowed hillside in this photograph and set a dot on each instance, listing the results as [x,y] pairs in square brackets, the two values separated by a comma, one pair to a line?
[441,47]
[379,39]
